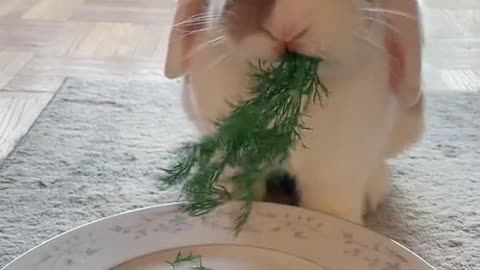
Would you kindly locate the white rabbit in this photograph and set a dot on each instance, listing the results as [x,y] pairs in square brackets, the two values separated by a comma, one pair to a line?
[372,68]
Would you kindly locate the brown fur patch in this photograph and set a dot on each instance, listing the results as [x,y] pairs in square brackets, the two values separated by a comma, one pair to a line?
[245,17]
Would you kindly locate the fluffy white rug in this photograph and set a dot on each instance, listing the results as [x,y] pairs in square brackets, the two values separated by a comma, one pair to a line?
[96,150]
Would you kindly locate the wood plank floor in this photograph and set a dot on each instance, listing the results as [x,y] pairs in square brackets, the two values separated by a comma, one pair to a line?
[43,41]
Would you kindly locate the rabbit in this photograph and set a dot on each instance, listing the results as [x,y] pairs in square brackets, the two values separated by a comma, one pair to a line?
[372,68]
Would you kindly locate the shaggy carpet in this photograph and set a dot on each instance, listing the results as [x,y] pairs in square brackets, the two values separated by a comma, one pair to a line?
[97,148]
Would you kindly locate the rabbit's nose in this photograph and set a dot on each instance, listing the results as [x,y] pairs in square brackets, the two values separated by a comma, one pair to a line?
[287,33]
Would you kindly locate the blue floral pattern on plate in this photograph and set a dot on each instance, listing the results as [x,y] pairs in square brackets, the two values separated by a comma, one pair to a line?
[330,243]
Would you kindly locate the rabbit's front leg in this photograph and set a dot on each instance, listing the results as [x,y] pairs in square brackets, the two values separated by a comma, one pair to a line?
[379,184]
[335,187]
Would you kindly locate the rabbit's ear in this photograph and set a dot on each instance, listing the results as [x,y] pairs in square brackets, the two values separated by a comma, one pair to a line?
[182,36]
[404,44]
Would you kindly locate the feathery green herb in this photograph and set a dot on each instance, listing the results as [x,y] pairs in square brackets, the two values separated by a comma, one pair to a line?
[196,261]
[258,133]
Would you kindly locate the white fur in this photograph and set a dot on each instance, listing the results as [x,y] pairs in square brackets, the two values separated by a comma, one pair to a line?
[343,171]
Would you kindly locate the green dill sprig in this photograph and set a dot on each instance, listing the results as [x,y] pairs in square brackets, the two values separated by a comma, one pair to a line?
[258,133]
[200,265]
[196,261]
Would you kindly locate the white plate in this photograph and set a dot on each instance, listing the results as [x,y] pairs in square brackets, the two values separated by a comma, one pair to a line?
[276,237]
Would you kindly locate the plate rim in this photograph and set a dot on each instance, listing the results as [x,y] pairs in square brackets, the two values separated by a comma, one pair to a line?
[179,204]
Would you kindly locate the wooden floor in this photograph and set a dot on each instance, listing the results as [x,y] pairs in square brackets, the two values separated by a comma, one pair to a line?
[43,41]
